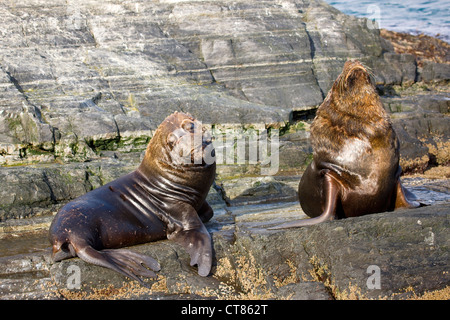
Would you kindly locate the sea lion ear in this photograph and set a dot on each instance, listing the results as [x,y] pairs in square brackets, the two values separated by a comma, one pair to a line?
[171,140]
[188,125]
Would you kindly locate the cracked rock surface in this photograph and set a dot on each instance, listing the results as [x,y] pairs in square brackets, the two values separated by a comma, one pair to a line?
[77,77]
[327,261]
[83,85]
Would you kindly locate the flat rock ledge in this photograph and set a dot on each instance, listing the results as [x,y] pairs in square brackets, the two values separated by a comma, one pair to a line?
[393,255]
[123,67]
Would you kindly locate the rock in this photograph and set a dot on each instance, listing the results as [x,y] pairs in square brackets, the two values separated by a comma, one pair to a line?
[414,154]
[32,280]
[390,247]
[420,118]
[84,85]
[41,190]
[425,48]
[123,68]
[332,260]
[432,71]
[268,189]
[396,69]
[98,79]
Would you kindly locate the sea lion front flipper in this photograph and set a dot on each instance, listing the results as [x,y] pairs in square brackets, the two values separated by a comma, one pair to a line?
[195,239]
[332,187]
[404,198]
[205,212]
[197,243]
[126,262]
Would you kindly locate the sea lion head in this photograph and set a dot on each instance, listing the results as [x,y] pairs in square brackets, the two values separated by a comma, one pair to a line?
[181,141]
[352,109]
[353,94]
[354,80]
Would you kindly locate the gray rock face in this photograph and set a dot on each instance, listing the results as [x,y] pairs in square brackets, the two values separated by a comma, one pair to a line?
[74,72]
[81,81]
[42,189]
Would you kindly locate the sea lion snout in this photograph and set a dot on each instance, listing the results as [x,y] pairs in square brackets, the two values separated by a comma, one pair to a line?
[355,74]
[188,125]
[190,143]
[353,65]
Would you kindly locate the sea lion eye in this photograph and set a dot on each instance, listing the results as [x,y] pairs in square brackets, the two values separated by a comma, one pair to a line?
[188,125]
[171,139]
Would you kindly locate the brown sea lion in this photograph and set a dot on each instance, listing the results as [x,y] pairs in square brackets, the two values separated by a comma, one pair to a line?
[355,168]
[163,198]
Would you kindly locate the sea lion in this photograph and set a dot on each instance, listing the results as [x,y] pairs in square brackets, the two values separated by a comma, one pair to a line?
[163,198]
[355,168]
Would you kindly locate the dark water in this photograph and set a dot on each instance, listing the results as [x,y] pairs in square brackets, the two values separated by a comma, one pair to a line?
[413,16]
[24,243]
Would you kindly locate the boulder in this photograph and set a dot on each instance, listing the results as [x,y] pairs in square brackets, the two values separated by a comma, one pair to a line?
[78,74]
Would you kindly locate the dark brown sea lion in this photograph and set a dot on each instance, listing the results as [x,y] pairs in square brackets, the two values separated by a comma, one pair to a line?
[355,168]
[163,198]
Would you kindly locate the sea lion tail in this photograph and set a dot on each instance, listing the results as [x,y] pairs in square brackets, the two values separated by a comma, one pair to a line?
[126,262]
[332,190]
[405,198]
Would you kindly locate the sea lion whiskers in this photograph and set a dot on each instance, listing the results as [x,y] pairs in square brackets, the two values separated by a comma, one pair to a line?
[371,73]
[353,69]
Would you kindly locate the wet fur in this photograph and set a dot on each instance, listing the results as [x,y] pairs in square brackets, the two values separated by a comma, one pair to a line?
[161,199]
[355,169]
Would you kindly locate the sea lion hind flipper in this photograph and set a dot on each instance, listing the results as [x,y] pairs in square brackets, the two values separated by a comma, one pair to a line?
[198,243]
[123,261]
[332,187]
[404,198]
[137,262]
[62,252]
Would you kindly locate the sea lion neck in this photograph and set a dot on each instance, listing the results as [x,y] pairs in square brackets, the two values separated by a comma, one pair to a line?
[163,172]
[182,173]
